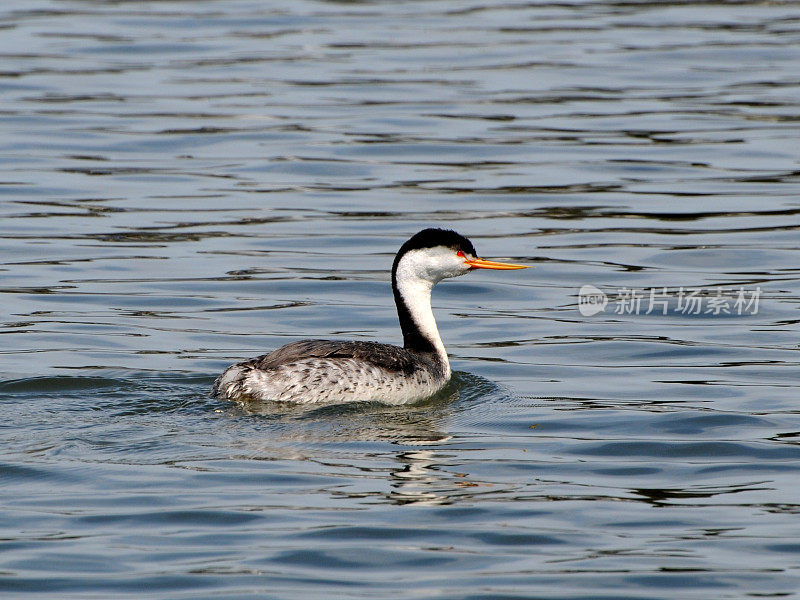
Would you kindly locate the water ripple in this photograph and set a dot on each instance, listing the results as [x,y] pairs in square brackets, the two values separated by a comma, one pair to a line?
[188,184]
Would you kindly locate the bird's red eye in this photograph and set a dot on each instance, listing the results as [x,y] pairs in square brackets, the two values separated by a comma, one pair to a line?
[460,253]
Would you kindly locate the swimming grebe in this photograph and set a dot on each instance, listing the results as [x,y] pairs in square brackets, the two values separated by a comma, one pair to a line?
[331,371]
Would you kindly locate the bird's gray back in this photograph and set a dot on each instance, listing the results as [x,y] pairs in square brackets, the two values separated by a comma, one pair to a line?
[384,356]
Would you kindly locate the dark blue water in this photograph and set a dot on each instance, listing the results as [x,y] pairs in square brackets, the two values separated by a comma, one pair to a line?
[187,184]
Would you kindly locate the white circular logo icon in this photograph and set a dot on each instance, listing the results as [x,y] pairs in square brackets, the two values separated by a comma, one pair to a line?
[591,300]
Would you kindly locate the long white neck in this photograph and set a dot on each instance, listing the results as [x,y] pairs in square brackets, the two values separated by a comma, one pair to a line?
[413,298]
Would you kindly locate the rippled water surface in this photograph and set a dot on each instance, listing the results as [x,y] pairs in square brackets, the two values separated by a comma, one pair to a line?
[187,184]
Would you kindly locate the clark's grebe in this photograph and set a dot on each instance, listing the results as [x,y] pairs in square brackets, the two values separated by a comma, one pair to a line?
[331,371]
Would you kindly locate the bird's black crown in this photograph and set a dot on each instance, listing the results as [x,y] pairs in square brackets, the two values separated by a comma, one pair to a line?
[432,237]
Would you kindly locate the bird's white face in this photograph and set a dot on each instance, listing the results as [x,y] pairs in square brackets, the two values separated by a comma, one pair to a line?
[433,264]
[440,262]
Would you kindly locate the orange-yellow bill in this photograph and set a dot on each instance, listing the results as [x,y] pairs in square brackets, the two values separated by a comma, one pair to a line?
[480,263]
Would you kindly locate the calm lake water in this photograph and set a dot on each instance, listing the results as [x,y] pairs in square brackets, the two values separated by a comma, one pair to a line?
[188,184]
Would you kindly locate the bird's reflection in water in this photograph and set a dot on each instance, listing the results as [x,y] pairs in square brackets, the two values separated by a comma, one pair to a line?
[421,423]
[420,479]
[420,475]
[414,424]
